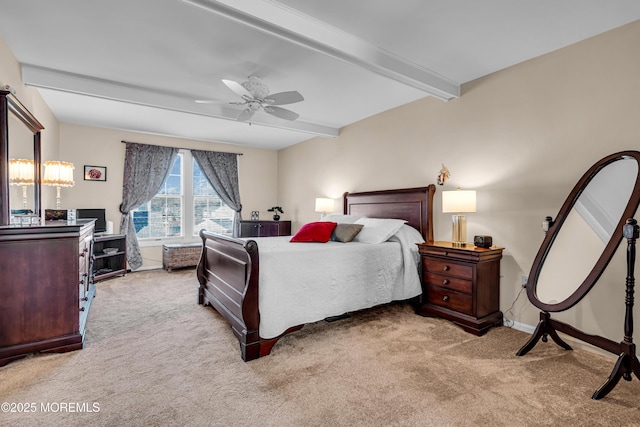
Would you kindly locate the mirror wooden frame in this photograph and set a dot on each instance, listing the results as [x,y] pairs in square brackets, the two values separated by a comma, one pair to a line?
[607,253]
[10,104]
[627,227]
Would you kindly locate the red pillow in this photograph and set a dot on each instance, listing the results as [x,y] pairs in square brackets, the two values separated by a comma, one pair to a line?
[315,232]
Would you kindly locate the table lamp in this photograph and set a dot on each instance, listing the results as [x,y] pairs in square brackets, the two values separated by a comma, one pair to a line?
[323,206]
[58,174]
[21,172]
[459,202]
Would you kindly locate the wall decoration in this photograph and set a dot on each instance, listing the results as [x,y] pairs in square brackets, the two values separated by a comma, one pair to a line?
[95,173]
[443,175]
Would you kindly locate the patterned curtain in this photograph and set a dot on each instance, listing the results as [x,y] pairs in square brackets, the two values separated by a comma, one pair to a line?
[145,169]
[221,169]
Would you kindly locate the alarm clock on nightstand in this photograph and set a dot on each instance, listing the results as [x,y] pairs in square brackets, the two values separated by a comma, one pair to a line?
[482,241]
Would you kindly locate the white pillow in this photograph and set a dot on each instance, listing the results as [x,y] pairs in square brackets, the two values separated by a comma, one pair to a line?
[377,230]
[341,219]
[409,236]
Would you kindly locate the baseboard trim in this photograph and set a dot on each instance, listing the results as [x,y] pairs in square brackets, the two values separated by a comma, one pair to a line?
[519,326]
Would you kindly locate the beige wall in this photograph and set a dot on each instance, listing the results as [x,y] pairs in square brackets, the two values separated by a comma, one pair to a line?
[83,145]
[521,137]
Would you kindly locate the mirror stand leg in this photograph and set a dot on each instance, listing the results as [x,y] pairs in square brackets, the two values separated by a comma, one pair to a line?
[626,365]
[543,330]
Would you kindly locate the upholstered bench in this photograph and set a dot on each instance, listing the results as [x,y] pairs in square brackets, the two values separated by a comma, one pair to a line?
[178,255]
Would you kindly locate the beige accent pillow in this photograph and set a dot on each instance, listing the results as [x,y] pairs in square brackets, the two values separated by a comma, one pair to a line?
[346,232]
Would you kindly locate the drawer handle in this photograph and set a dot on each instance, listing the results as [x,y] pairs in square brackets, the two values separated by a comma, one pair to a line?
[445,282]
[81,254]
[446,253]
[445,298]
[446,268]
[84,299]
[81,308]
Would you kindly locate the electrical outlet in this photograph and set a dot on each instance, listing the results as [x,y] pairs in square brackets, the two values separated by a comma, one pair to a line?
[525,279]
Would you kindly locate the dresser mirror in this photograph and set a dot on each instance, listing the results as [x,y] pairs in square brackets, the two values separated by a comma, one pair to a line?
[19,139]
[576,250]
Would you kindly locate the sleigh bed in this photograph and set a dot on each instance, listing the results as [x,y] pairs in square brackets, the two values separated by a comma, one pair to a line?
[231,277]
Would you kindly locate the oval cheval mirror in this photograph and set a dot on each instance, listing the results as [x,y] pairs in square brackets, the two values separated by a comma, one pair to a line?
[576,250]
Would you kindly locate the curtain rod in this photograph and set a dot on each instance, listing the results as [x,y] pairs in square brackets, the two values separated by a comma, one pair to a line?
[180,148]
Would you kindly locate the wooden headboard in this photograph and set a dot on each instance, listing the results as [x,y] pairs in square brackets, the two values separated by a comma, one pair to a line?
[415,205]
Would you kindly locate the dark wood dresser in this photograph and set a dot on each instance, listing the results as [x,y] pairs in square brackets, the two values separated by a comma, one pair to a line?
[461,284]
[45,287]
[265,228]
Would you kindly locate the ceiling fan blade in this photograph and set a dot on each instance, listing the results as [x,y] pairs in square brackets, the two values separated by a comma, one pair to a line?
[282,113]
[237,88]
[245,115]
[210,101]
[283,98]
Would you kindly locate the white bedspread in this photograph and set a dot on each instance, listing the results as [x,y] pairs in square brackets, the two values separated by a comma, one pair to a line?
[306,282]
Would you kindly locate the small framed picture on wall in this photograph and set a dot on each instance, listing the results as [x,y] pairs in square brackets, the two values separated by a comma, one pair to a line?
[95,173]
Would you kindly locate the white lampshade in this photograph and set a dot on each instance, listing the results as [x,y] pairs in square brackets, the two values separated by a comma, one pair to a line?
[458,201]
[21,172]
[324,205]
[58,174]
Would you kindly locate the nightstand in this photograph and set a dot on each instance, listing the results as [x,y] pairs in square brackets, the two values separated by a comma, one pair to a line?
[461,284]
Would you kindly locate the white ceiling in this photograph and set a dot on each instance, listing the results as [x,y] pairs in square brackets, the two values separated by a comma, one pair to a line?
[139,64]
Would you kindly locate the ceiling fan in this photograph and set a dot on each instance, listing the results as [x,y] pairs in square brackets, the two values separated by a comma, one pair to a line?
[255,95]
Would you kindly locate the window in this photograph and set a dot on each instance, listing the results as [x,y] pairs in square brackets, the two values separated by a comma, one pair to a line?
[185,204]
[209,211]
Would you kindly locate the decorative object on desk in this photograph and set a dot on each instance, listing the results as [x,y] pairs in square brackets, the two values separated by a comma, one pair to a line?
[255,215]
[324,206]
[21,172]
[483,241]
[55,214]
[110,250]
[459,202]
[443,175]
[58,174]
[275,209]
[95,173]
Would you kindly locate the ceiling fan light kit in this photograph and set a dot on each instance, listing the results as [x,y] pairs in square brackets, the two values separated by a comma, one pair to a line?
[256,87]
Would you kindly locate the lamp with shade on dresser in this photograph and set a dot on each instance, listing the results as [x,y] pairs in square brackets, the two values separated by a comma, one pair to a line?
[58,174]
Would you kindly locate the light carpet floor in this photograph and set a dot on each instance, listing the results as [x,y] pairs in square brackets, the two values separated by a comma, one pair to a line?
[154,357]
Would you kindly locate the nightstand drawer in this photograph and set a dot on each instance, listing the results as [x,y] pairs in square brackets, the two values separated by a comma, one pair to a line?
[445,267]
[448,282]
[462,303]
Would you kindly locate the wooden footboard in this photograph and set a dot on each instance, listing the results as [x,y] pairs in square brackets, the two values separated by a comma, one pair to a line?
[228,276]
